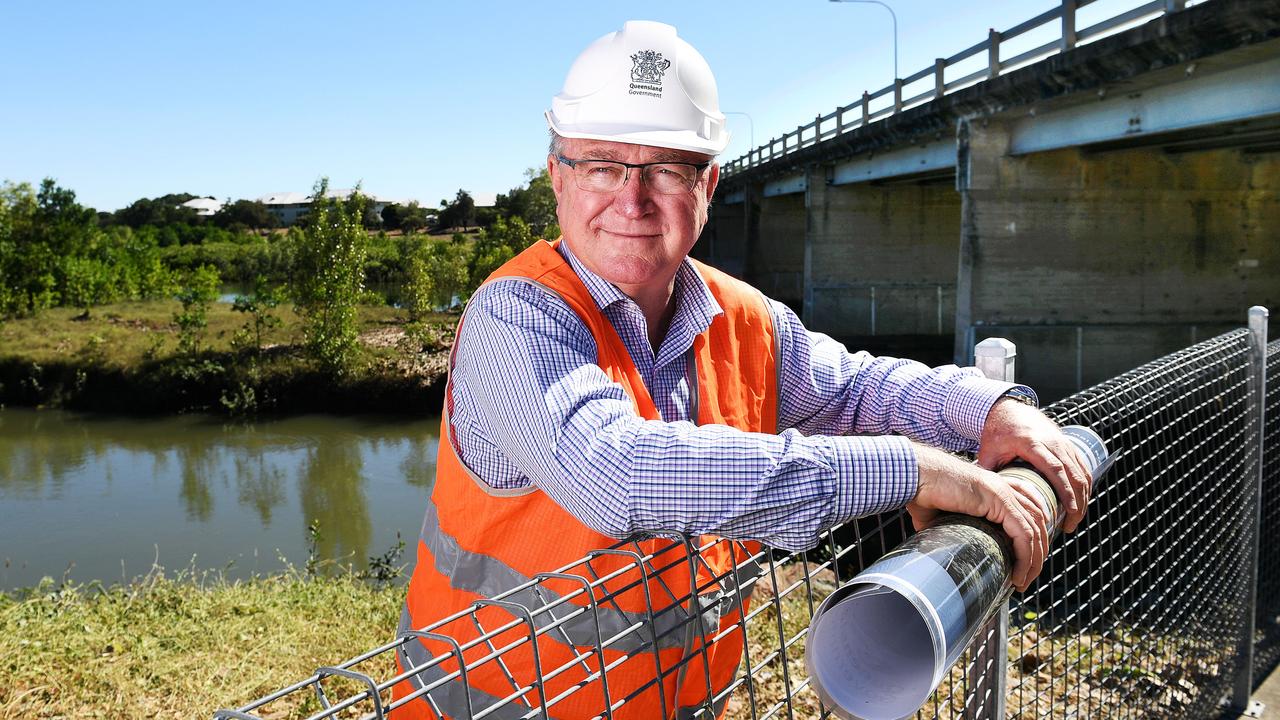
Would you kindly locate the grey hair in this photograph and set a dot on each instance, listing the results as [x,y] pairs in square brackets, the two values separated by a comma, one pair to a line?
[556,146]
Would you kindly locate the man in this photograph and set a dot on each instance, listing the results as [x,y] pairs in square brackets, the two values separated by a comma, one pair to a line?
[606,387]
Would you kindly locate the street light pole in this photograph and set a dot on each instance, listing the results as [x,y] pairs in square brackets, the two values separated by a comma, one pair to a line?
[895,29]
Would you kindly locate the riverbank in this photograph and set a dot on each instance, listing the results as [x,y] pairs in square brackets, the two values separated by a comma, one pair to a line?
[124,358]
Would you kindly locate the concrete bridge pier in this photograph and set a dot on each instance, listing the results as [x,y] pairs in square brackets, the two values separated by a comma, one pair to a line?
[871,263]
[1094,260]
[881,259]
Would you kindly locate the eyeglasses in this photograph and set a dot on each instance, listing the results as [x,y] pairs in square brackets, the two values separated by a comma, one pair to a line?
[666,178]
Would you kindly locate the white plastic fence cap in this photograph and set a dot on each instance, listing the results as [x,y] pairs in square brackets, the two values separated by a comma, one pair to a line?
[641,85]
[995,347]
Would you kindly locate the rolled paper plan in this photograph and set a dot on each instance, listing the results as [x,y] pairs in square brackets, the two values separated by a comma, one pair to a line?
[880,644]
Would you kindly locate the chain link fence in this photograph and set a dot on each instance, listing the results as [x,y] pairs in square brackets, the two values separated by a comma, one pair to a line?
[1143,612]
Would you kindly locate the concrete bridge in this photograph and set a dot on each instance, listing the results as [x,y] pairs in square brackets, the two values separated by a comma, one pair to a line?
[1101,199]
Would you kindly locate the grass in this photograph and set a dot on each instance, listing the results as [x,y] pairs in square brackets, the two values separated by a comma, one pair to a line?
[130,333]
[124,357]
[181,646]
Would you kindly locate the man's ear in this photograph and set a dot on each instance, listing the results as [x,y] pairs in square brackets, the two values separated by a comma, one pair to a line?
[713,179]
[557,178]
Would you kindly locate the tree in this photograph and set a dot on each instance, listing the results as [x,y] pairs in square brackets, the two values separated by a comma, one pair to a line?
[370,218]
[199,290]
[41,237]
[86,282]
[54,251]
[391,216]
[535,203]
[259,306]
[245,214]
[328,265]
[459,213]
[17,211]
[497,244]
[437,273]
[408,218]
[161,211]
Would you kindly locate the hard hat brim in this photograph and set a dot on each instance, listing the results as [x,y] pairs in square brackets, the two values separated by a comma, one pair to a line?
[671,139]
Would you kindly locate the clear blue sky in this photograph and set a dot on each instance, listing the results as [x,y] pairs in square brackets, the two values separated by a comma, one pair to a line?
[415,99]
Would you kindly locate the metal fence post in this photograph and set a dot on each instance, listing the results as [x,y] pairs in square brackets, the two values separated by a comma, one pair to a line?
[996,358]
[1256,409]
[1068,24]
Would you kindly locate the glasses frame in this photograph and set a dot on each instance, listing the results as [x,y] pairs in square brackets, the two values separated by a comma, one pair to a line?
[626,175]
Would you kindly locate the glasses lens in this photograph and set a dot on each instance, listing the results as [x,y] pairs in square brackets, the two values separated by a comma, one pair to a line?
[600,176]
[670,178]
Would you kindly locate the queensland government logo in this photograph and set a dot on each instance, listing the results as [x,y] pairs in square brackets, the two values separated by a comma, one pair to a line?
[647,72]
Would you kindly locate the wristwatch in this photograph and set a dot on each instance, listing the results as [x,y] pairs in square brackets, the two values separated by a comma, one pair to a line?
[1021,396]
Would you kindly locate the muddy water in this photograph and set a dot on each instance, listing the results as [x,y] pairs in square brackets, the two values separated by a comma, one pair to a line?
[106,497]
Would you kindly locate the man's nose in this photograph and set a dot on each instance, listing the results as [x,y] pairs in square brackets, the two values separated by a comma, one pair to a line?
[634,197]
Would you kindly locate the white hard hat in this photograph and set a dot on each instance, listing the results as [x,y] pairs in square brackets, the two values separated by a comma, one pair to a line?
[641,85]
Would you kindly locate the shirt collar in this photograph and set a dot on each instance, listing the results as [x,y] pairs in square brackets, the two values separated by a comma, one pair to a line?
[695,304]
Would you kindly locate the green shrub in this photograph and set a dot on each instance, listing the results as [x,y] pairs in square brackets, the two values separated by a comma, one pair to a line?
[199,290]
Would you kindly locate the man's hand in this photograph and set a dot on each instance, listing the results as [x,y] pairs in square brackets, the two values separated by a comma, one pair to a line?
[1014,431]
[948,484]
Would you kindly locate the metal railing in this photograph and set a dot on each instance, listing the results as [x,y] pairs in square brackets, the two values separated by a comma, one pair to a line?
[1144,612]
[895,308]
[931,83]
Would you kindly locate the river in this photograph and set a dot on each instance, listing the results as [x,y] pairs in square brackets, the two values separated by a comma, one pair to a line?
[105,497]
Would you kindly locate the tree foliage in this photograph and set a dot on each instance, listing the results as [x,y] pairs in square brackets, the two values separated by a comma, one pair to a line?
[533,202]
[328,276]
[199,290]
[260,306]
[53,252]
[409,218]
[460,213]
[164,210]
[245,214]
[438,273]
[497,244]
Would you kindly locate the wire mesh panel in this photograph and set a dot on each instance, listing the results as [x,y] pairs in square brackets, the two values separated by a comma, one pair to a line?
[1137,614]
[1267,649]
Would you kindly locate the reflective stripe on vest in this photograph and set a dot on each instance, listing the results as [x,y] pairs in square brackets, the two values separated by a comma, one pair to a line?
[487,558]
[489,577]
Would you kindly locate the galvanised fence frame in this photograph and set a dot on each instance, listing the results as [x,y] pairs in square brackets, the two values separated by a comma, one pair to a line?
[1156,607]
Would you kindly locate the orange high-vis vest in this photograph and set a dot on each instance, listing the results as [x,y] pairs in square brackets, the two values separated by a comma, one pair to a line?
[665,626]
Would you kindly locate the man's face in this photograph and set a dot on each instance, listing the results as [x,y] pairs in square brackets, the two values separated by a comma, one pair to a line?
[633,237]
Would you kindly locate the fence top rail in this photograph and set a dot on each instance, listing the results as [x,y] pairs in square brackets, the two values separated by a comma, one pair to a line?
[1064,12]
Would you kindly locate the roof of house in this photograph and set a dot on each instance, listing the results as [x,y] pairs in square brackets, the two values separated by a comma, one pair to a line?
[296,198]
[203,205]
[284,198]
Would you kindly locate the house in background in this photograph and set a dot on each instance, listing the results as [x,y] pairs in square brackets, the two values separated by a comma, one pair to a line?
[204,206]
[286,206]
[289,206]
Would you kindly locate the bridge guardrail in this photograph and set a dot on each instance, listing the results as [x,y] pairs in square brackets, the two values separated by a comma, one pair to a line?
[1145,611]
[894,98]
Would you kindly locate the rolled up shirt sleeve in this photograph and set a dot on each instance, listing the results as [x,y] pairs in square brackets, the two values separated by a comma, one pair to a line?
[825,389]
